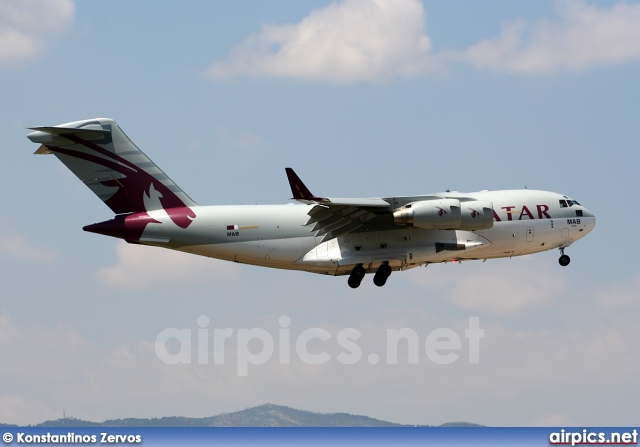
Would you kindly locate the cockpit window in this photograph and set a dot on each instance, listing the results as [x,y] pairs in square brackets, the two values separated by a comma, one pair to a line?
[568,202]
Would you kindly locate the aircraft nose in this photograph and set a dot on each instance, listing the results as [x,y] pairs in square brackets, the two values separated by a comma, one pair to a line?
[589,219]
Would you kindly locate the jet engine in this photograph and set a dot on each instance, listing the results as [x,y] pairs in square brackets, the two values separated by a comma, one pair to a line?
[476,215]
[446,214]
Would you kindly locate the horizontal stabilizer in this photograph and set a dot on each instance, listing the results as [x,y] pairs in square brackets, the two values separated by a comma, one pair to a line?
[45,134]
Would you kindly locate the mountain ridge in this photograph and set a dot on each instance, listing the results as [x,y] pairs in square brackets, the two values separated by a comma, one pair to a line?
[266,415]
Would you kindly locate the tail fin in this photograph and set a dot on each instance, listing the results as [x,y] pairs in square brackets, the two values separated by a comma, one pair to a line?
[100,154]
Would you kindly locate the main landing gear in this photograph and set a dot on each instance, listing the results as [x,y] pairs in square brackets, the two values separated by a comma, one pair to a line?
[356,276]
[383,272]
[379,279]
[564,259]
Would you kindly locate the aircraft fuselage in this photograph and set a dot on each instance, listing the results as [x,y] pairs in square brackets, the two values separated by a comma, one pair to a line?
[333,236]
[525,222]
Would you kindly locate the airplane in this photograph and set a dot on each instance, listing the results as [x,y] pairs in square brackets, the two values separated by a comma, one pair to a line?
[331,236]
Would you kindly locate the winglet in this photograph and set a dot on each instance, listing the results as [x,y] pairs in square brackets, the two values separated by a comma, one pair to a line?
[298,189]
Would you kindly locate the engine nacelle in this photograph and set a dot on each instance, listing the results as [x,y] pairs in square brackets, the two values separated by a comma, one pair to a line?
[446,214]
[442,214]
[476,215]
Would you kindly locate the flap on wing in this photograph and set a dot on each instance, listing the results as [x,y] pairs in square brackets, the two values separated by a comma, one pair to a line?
[331,220]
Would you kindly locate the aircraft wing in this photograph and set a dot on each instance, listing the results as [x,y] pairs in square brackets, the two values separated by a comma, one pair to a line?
[334,217]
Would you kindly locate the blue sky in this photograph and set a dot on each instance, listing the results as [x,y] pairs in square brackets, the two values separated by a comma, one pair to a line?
[363,99]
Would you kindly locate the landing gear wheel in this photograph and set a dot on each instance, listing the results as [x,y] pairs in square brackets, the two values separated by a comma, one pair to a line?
[354,283]
[383,272]
[564,260]
[379,280]
[356,276]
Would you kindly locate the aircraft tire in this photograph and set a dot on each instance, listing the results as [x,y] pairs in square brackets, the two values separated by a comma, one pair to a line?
[361,272]
[358,272]
[353,282]
[564,260]
[356,276]
[379,280]
[384,270]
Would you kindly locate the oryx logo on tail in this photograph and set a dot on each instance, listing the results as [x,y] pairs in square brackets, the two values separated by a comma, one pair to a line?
[116,170]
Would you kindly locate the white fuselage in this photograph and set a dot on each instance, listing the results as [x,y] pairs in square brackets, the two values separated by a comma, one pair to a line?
[525,221]
[334,236]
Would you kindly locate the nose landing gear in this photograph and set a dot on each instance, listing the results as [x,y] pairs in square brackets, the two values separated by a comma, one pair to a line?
[564,259]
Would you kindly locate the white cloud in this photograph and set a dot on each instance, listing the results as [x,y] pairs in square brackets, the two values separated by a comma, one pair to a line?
[50,350]
[17,246]
[27,25]
[16,409]
[347,41]
[363,40]
[498,287]
[142,267]
[33,358]
[47,369]
[620,295]
[585,36]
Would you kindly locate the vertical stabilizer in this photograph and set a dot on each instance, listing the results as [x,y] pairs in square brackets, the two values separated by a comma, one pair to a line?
[101,155]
